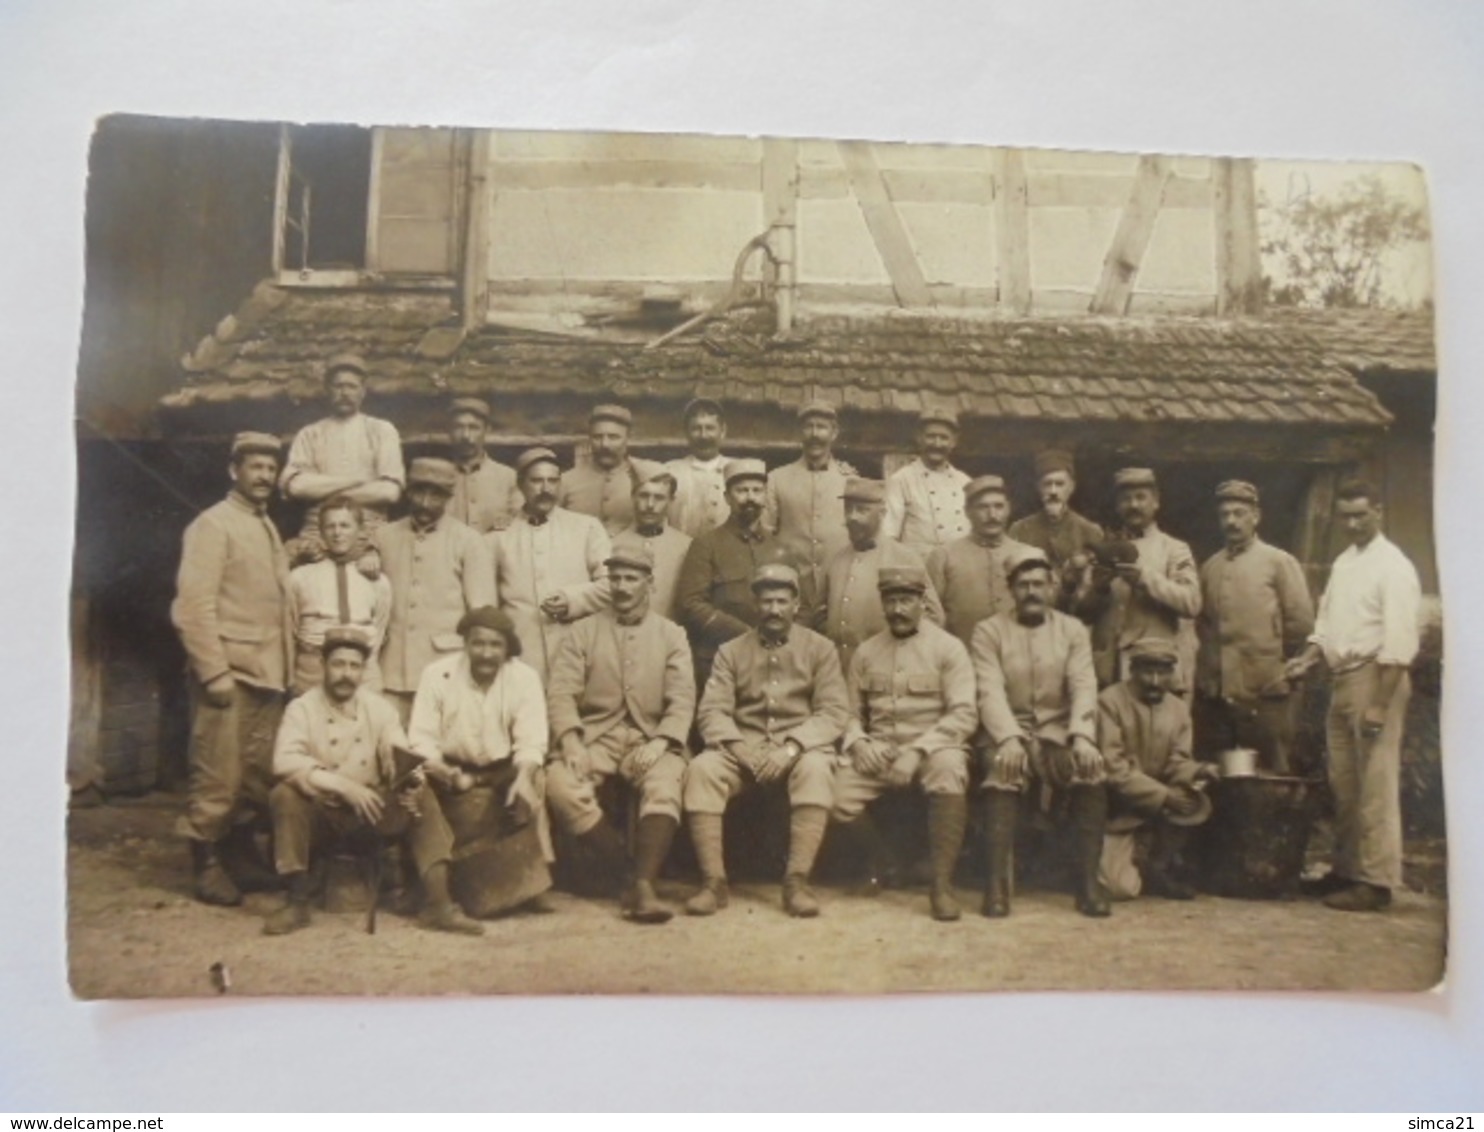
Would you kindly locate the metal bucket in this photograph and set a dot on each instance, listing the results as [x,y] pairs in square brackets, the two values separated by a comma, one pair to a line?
[1258,835]
[1239,762]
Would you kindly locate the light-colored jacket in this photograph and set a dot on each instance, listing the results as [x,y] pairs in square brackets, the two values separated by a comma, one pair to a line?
[1146,748]
[1035,681]
[1255,613]
[1162,607]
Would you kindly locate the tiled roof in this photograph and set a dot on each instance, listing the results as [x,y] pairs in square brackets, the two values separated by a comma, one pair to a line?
[1371,341]
[1065,369]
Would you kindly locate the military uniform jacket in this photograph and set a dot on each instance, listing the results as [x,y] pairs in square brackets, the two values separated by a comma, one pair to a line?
[607,496]
[669,547]
[317,735]
[564,555]
[849,606]
[1035,681]
[1171,591]
[1059,540]
[806,512]
[970,580]
[437,575]
[714,599]
[1146,748]
[916,693]
[924,508]
[762,695]
[231,603]
[606,673]
[700,494]
[1255,612]
[485,496]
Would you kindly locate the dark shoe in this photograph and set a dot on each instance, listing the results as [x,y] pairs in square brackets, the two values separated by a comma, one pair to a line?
[996,903]
[1359,897]
[643,906]
[213,885]
[448,918]
[1157,882]
[290,918]
[712,898]
[541,905]
[1001,811]
[944,907]
[245,865]
[798,898]
[1327,885]
[1092,900]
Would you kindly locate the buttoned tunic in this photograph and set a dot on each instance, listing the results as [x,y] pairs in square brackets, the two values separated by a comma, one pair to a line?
[564,555]
[806,512]
[366,448]
[970,579]
[231,603]
[315,606]
[1059,539]
[355,740]
[1146,749]
[437,575]
[771,694]
[1255,612]
[714,598]
[849,606]
[701,494]
[1035,681]
[485,495]
[607,496]
[669,548]
[458,723]
[1169,595]
[924,507]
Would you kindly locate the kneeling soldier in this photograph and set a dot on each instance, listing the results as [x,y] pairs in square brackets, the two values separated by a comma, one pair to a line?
[1154,782]
[774,709]
[622,697]
[912,690]
[334,759]
[1038,702]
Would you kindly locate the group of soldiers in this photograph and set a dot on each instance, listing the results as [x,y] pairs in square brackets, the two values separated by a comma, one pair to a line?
[524,637]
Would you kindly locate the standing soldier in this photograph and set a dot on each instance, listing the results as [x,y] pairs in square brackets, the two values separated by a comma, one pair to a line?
[803,504]
[1367,635]
[438,570]
[1255,613]
[622,698]
[346,453]
[1038,704]
[912,693]
[849,609]
[925,499]
[603,486]
[773,711]
[1064,536]
[700,475]
[485,495]
[969,573]
[715,600]
[1143,584]
[548,563]
[231,610]
[653,498]
[1155,786]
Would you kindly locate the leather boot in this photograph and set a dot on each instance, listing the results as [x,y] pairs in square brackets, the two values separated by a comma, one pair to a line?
[870,847]
[651,844]
[1001,807]
[947,816]
[245,864]
[213,885]
[712,898]
[706,834]
[606,846]
[295,912]
[1089,805]
[798,898]
[440,913]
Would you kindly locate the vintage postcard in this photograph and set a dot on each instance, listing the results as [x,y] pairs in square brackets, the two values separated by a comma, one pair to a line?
[519,562]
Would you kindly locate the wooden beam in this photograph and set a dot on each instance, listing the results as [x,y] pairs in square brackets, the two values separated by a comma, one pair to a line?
[962,186]
[1012,231]
[1315,522]
[281,197]
[1131,240]
[1234,212]
[887,229]
[780,177]
[473,257]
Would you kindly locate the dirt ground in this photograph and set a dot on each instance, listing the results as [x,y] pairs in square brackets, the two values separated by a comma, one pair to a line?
[134,931]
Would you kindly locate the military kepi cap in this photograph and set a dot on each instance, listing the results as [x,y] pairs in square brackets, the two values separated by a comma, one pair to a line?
[535,456]
[250,443]
[353,362]
[702,405]
[471,405]
[862,490]
[611,412]
[432,472]
[744,469]
[1153,650]
[1134,477]
[938,416]
[898,579]
[1238,491]
[631,550]
[775,574]
[1024,558]
[980,484]
[345,637]
[818,408]
[1055,460]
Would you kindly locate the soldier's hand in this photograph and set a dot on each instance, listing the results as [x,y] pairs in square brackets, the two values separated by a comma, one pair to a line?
[641,758]
[1130,572]
[1011,761]
[575,755]
[774,764]
[556,607]
[1087,762]
[365,802]
[218,693]
[1297,668]
[523,790]
[500,523]
[903,769]
[1182,801]
[871,757]
[369,564]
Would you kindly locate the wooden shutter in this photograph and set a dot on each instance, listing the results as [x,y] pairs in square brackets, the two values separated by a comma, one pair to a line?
[416,201]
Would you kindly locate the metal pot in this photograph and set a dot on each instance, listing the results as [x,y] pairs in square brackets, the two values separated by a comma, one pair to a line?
[1239,762]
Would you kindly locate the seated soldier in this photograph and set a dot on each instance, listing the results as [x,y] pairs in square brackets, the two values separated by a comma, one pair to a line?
[774,709]
[622,699]
[480,720]
[1038,704]
[912,692]
[1154,782]
[334,760]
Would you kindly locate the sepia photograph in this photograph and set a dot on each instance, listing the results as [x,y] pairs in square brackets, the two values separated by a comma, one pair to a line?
[539,562]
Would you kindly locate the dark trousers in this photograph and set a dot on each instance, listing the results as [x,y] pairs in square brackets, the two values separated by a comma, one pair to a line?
[300,824]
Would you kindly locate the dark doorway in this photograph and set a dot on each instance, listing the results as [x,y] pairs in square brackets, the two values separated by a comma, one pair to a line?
[328,190]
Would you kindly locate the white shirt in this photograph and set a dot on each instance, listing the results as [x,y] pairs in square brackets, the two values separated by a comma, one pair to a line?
[925,508]
[315,602]
[701,494]
[456,721]
[1370,608]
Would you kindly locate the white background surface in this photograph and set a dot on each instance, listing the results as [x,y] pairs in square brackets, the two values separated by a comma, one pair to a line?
[1278,79]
